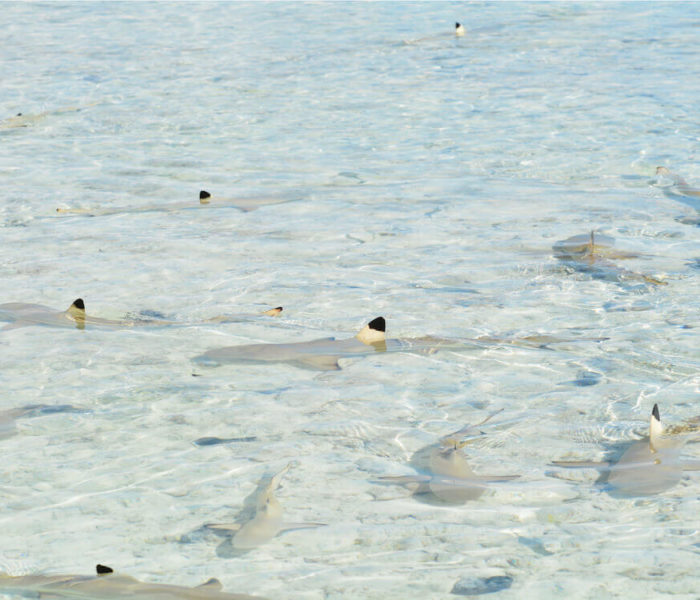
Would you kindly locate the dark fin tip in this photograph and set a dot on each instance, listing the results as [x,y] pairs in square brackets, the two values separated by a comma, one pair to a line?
[278,308]
[457,24]
[103,570]
[379,324]
[655,412]
[79,304]
[203,195]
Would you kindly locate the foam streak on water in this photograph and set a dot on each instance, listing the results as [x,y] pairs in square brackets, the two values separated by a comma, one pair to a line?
[425,178]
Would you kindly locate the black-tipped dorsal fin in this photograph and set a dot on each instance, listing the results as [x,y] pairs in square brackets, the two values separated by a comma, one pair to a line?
[655,427]
[273,312]
[103,570]
[373,332]
[212,584]
[378,324]
[204,197]
[77,312]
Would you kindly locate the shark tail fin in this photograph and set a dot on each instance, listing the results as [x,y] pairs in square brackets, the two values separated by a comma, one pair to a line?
[373,332]
[103,570]
[655,427]
[204,197]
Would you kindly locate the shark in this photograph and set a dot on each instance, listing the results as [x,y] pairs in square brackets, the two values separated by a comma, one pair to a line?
[444,475]
[19,314]
[29,120]
[679,189]
[205,200]
[594,253]
[9,416]
[261,517]
[646,467]
[680,185]
[107,585]
[324,354]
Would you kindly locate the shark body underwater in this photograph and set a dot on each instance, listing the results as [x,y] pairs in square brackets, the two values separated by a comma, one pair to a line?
[595,254]
[679,189]
[646,467]
[205,200]
[9,416]
[20,314]
[261,518]
[443,472]
[107,585]
[324,354]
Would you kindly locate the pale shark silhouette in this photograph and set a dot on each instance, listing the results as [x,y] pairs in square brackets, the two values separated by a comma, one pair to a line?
[20,314]
[323,354]
[594,253]
[107,585]
[646,467]
[261,518]
[205,200]
[444,475]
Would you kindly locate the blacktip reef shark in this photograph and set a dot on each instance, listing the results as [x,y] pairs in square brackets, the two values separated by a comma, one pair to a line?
[594,253]
[680,185]
[323,354]
[20,314]
[205,200]
[444,475]
[107,585]
[646,467]
[680,190]
[9,416]
[28,120]
[261,517]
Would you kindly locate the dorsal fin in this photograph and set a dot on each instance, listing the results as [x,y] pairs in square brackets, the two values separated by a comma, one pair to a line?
[77,311]
[204,197]
[373,332]
[212,584]
[459,28]
[273,312]
[103,570]
[655,427]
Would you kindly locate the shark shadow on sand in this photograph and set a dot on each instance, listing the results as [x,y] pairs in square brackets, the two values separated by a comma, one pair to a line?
[444,476]
[259,521]
[644,468]
[594,253]
[107,585]
[20,314]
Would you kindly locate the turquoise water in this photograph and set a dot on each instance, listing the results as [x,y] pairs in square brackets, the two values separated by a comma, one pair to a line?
[423,177]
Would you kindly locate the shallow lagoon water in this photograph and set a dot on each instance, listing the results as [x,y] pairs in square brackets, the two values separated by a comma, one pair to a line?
[428,177]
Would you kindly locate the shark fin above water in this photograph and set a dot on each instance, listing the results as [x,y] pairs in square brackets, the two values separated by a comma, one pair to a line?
[374,332]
